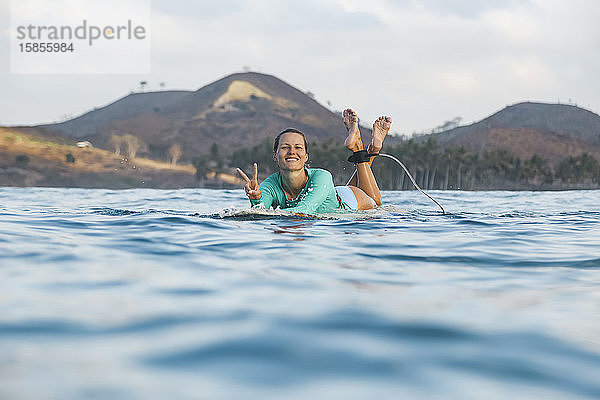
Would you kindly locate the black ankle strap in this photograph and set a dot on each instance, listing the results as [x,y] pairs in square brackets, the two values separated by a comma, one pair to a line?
[361,156]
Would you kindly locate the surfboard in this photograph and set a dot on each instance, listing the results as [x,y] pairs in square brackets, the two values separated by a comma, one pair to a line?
[257,214]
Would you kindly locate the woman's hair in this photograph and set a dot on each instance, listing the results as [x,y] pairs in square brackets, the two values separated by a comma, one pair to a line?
[288,130]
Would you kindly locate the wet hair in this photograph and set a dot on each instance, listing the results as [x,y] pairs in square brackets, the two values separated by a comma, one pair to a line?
[288,130]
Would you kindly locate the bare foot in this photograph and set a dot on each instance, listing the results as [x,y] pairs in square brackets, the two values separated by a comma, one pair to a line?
[380,128]
[353,141]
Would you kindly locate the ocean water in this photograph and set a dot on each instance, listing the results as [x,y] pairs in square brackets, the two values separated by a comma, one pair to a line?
[156,294]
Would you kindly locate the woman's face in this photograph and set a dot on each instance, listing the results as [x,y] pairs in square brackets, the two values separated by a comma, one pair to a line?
[291,153]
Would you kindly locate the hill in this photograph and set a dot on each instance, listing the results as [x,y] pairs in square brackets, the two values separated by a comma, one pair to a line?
[31,160]
[188,127]
[93,123]
[551,131]
[238,110]
[230,122]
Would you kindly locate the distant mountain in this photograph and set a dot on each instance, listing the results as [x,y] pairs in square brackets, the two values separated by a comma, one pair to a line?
[241,110]
[553,131]
[236,111]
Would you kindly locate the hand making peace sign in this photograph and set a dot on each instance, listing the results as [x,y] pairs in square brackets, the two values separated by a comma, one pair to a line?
[252,189]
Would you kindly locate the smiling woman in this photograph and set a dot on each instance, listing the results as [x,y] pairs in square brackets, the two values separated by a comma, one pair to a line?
[302,190]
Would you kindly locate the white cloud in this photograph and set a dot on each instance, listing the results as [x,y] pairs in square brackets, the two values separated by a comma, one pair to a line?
[422,62]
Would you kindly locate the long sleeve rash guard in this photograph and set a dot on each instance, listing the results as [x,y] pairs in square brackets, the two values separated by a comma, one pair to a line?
[317,196]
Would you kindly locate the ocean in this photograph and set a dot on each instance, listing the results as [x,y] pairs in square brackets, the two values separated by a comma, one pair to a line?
[184,294]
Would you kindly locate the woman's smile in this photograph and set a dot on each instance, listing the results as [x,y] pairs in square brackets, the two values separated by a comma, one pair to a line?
[291,152]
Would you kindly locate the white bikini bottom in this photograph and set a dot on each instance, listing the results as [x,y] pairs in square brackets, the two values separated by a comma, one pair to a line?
[347,196]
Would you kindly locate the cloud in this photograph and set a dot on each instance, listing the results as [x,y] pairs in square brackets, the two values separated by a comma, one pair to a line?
[421,61]
[468,8]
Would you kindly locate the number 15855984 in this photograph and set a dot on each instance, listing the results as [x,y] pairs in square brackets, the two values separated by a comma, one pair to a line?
[46,47]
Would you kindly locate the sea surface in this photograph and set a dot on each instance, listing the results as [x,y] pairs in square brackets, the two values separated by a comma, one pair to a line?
[181,294]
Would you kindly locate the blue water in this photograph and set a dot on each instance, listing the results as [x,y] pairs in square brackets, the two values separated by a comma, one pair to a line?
[153,294]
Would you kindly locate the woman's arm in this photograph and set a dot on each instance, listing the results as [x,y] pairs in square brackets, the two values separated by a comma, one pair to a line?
[267,196]
[253,189]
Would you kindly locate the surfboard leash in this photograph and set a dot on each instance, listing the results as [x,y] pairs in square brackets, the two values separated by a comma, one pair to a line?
[364,157]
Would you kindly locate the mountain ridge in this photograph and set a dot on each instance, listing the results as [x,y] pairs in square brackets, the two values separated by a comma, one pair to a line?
[552,131]
[195,119]
[120,108]
[244,111]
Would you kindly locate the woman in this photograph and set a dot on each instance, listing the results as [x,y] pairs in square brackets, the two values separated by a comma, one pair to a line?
[308,191]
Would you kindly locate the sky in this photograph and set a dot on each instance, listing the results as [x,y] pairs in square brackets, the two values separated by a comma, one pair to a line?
[421,62]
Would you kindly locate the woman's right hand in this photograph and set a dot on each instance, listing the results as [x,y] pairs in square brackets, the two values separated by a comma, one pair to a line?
[252,189]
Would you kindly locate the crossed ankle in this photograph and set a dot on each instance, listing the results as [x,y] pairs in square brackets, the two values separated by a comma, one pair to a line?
[371,149]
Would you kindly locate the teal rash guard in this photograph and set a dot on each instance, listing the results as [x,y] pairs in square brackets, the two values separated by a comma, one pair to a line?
[317,196]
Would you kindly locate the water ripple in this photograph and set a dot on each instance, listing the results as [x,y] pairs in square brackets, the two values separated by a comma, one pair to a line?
[162,292]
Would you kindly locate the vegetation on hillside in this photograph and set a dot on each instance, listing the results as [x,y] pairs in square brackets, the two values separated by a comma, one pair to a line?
[27,160]
[436,167]
[42,162]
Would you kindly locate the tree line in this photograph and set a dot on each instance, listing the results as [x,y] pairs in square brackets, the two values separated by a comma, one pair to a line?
[431,165]
[436,167]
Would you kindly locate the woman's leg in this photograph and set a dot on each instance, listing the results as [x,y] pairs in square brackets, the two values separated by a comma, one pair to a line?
[380,129]
[363,182]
